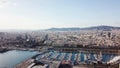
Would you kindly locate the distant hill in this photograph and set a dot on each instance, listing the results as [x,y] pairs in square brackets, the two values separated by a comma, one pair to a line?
[89,28]
[63,29]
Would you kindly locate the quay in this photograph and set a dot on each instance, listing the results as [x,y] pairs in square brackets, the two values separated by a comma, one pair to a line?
[78,58]
[25,63]
[87,50]
[3,50]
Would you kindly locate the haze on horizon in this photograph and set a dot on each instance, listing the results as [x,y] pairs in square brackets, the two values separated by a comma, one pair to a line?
[43,14]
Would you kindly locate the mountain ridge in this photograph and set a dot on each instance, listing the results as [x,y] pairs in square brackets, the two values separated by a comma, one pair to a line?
[103,27]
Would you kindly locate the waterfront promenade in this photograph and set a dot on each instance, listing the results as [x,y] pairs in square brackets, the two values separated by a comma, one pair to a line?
[24,64]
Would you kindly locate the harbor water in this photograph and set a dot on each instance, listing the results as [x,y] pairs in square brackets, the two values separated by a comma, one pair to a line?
[10,58]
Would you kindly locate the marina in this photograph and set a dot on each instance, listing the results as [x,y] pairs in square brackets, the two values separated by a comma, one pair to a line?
[57,59]
[52,58]
[80,57]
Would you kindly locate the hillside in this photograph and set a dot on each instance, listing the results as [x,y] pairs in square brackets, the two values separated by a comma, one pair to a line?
[88,28]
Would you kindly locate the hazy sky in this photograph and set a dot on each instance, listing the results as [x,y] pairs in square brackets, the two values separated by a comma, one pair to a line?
[42,14]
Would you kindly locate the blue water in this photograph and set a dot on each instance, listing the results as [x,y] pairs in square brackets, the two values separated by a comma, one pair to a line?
[58,57]
[11,58]
[92,57]
[51,54]
[82,57]
[66,56]
[73,57]
[106,57]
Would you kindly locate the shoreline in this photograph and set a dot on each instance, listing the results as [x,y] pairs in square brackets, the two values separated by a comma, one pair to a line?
[16,56]
[3,50]
[64,49]
[26,62]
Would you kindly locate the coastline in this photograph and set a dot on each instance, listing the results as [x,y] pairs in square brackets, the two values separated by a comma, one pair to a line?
[26,62]
[3,50]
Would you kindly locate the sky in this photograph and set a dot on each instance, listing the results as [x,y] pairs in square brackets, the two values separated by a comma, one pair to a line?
[44,14]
